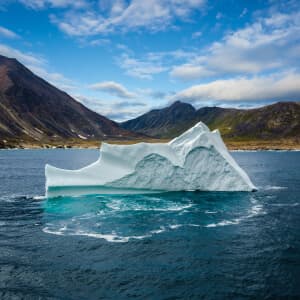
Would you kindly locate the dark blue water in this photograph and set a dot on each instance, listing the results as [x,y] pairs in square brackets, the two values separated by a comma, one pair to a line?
[160,246]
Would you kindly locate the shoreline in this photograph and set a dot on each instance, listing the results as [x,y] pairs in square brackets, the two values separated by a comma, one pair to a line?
[244,148]
[232,145]
[78,148]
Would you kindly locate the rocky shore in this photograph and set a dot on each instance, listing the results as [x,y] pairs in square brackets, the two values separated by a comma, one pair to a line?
[95,144]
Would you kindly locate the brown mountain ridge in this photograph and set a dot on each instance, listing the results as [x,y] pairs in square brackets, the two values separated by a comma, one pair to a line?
[276,124]
[34,111]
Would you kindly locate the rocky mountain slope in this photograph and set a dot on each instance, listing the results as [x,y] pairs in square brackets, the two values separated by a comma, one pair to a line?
[165,122]
[34,111]
[276,121]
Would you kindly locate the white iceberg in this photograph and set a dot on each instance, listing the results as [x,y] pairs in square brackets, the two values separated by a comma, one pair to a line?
[196,160]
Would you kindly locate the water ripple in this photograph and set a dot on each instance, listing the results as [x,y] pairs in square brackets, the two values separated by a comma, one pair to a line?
[123,218]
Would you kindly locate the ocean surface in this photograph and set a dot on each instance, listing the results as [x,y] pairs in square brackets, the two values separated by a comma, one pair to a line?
[187,245]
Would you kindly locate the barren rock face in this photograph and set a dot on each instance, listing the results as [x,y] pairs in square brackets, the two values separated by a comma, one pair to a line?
[32,109]
[277,121]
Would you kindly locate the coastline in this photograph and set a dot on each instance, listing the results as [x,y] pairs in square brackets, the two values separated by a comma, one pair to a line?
[234,146]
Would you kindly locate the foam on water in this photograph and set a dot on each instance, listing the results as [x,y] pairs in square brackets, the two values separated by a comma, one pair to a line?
[175,226]
[114,218]
[285,204]
[270,187]
[254,210]
[49,245]
[39,197]
[109,217]
[224,223]
[108,237]
[153,205]
[113,236]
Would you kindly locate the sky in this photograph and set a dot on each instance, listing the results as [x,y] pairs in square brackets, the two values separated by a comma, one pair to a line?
[122,58]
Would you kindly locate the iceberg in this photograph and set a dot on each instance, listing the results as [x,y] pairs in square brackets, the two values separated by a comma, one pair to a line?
[197,160]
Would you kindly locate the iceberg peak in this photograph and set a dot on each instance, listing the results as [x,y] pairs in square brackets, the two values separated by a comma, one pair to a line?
[196,160]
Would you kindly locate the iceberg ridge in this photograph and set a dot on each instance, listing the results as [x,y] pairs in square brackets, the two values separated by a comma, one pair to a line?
[196,160]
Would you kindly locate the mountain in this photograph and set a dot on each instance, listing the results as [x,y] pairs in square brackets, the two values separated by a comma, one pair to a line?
[33,110]
[166,122]
[277,121]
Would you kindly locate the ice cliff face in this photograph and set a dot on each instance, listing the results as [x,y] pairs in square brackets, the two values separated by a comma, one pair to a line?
[196,160]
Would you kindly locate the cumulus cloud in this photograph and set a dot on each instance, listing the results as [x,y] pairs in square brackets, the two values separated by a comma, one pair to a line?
[41,4]
[190,72]
[144,69]
[269,44]
[113,88]
[274,87]
[116,110]
[4,32]
[151,63]
[120,15]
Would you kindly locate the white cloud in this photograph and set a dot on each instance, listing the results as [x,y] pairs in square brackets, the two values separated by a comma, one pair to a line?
[99,42]
[8,33]
[139,68]
[119,15]
[113,88]
[94,42]
[269,44]
[196,34]
[274,87]
[25,58]
[41,4]
[57,79]
[190,72]
[116,110]
[151,63]
[37,65]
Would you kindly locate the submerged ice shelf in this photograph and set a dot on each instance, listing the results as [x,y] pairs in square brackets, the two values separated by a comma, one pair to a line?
[196,160]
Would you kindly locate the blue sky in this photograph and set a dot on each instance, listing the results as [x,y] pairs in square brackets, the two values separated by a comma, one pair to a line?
[121,58]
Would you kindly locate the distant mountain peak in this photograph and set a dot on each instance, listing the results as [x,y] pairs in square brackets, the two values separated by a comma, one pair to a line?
[11,63]
[179,103]
[279,120]
[157,122]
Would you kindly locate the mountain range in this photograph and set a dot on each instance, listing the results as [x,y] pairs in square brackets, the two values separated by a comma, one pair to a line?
[276,121]
[35,113]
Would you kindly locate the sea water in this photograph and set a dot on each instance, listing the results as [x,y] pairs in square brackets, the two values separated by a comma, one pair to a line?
[185,245]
